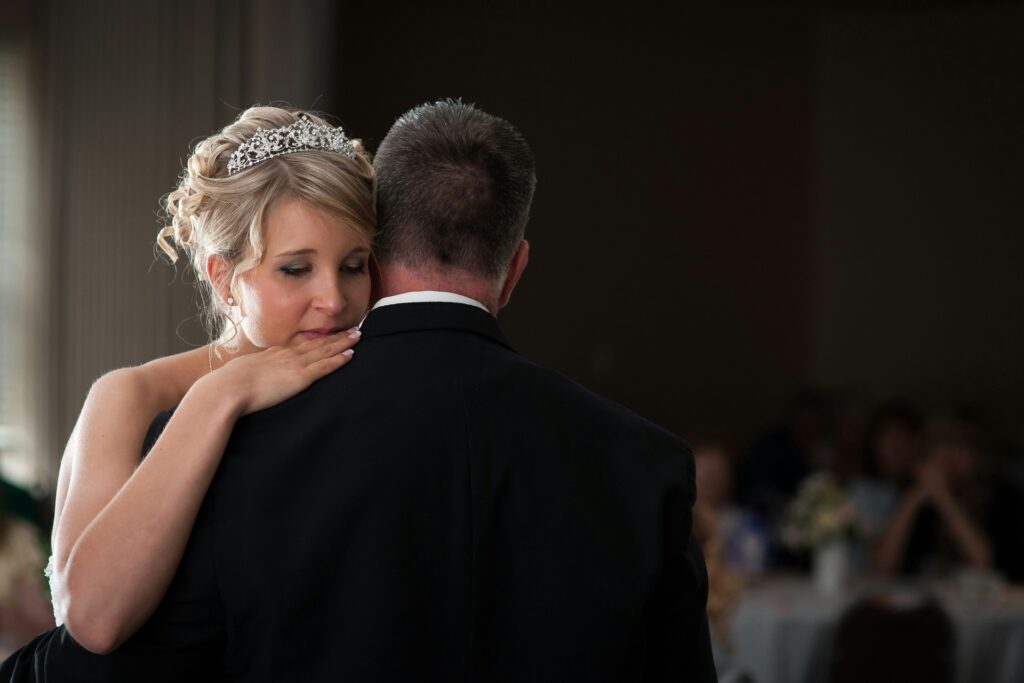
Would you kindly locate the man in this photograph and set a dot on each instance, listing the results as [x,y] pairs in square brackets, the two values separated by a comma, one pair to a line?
[441,509]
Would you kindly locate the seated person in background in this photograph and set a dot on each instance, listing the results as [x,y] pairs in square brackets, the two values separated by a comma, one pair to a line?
[1005,517]
[20,503]
[724,586]
[779,461]
[893,450]
[741,536]
[848,435]
[938,523]
[24,605]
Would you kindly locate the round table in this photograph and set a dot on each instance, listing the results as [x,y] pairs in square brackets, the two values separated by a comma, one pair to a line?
[782,630]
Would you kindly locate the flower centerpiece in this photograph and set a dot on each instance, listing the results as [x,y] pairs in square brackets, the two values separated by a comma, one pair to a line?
[821,519]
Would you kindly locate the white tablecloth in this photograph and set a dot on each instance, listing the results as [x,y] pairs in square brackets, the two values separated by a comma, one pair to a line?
[782,632]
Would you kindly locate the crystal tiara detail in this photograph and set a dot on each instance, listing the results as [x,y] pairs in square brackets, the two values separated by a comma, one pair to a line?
[301,136]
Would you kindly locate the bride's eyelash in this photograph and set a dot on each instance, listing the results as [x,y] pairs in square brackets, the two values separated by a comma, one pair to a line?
[350,269]
[295,271]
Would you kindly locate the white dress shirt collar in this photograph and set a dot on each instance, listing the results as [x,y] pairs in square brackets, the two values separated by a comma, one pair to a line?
[428,297]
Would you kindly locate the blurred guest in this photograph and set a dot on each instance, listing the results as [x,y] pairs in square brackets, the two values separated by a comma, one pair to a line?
[715,477]
[724,586]
[1005,516]
[1013,468]
[741,535]
[21,504]
[892,451]
[24,605]
[779,461]
[849,415]
[938,523]
[1006,527]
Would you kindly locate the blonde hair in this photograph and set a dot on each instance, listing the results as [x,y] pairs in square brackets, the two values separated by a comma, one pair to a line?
[211,213]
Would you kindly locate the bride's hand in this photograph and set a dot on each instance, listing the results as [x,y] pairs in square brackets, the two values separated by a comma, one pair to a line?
[265,378]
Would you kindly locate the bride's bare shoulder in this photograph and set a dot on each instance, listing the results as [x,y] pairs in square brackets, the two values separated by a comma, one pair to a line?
[159,384]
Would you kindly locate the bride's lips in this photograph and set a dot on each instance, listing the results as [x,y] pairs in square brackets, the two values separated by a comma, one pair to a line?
[316,334]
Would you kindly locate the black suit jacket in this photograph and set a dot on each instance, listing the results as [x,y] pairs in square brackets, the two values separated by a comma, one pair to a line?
[440,510]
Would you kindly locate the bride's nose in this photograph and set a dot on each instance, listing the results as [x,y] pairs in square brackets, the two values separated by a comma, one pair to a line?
[329,298]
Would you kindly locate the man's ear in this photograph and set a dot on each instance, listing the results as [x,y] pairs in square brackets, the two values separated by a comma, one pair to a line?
[515,271]
[218,270]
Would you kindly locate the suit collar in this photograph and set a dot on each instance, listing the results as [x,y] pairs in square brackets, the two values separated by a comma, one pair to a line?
[418,317]
[426,296]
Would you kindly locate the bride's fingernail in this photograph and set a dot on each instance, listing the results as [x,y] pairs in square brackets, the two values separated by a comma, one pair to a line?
[355,333]
[347,352]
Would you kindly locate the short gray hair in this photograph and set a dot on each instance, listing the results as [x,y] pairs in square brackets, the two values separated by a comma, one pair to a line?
[455,188]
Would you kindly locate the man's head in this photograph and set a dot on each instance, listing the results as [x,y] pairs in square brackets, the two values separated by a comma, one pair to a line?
[455,187]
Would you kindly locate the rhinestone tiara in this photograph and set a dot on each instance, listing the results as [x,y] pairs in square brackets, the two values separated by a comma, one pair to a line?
[301,136]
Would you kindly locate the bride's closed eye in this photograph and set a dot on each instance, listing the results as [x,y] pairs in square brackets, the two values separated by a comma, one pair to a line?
[357,268]
[295,271]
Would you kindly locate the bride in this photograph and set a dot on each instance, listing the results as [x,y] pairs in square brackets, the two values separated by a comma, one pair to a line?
[276,214]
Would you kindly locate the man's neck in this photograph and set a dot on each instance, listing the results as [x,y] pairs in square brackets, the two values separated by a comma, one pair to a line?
[398,279]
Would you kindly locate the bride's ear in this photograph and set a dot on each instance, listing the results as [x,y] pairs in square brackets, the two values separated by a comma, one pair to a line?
[218,271]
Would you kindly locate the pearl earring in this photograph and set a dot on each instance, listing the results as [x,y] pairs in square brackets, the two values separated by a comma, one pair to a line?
[231,301]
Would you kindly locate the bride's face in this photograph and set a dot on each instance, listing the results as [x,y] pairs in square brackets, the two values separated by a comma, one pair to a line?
[314,278]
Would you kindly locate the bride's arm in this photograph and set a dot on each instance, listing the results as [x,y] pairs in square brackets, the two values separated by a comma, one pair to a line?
[121,526]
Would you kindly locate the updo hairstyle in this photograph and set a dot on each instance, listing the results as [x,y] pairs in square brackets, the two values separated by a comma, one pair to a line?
[211,213]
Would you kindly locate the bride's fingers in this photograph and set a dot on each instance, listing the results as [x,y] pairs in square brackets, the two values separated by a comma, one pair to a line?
[316,348]
[332,349]
[326,366]
[311,344]
[337,344]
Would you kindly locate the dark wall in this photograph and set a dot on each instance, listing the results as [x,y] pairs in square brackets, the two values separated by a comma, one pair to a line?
[920,284]
[735,202]
[669,241]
